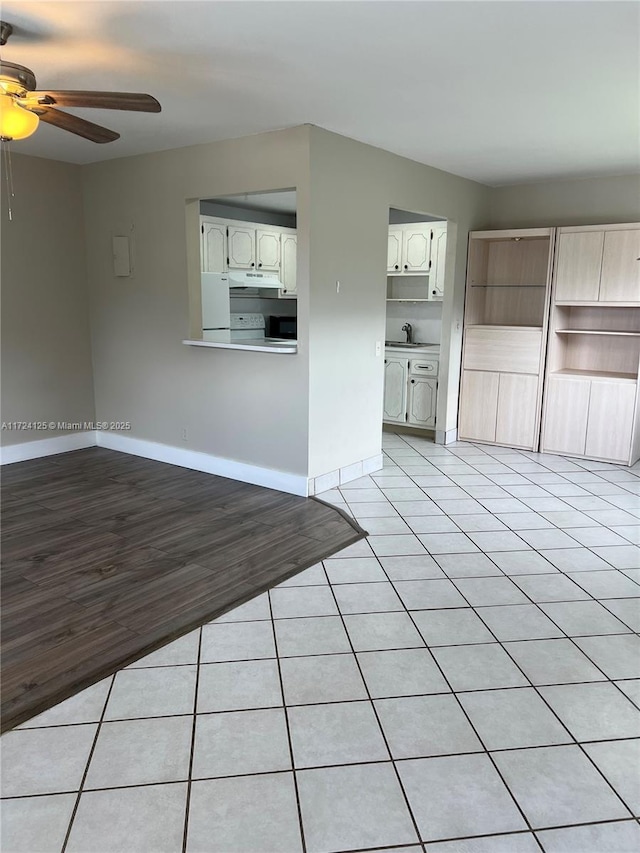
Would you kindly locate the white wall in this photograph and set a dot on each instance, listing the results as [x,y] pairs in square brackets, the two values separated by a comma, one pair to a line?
[244,406]
[352,188]
[46,350]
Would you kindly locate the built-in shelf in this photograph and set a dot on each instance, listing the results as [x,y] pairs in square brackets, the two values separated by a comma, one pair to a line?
[598,304]
[508,285]
[596,374]
[596,332]
[503,326]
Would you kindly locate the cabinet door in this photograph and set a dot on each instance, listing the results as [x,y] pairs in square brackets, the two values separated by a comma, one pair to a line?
[268,250]
[213,246]
[516,423]
[578,265]
[394,249]
[565,420]
[395,389]
[416,249]
[242,247]
[288,260]
[478,405]
[422,402]
[620,279]
[438,252]
[610,420]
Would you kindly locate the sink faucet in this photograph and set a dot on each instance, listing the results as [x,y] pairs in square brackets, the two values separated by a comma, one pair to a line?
[408,329]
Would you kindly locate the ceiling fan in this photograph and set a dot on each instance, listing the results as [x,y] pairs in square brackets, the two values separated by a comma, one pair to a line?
[22,107]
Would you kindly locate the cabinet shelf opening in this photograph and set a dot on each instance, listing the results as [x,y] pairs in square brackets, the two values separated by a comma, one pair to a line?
[596,374]
[597,332]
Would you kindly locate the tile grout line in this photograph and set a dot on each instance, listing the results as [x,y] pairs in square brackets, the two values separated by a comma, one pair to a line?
[414,821]
[87,765]
[288,727]
[469,721]
[187,807]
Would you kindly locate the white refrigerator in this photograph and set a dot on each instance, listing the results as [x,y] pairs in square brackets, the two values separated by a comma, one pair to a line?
[216,307]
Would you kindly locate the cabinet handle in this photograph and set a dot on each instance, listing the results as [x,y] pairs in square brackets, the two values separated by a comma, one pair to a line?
[253,265]
[397,266]
[433,292]
[413,381]
[406,266]
[259,265]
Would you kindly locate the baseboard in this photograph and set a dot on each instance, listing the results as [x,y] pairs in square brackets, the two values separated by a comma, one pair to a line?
[447,437]
[281,481]
[46,447]
[333,479]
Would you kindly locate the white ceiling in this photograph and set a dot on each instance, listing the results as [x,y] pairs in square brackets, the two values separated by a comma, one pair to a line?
[500,92]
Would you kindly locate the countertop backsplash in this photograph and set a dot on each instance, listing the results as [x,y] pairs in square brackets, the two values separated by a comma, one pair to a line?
[425,318]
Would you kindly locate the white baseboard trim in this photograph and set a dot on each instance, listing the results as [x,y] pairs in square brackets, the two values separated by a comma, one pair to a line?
[46,447]
[447,437]
[333,479]
[281,481]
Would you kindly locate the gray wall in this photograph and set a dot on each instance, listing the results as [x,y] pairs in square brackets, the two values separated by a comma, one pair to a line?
[247,406]
[46,350]
[586,201]
[352,188]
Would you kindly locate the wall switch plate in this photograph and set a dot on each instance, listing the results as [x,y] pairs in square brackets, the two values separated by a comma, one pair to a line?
[184,435]
[337,287]
[378,347]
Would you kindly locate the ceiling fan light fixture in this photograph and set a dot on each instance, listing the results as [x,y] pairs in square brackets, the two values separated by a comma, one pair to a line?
[16,122]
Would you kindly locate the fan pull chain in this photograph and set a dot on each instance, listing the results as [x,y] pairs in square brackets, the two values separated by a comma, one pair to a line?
[8,176]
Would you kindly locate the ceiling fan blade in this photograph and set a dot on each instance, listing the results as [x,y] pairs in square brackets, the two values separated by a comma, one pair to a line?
[103,100]
[74,124]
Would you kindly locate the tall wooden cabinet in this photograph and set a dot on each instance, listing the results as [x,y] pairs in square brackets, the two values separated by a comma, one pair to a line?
[591,391]
[505,328]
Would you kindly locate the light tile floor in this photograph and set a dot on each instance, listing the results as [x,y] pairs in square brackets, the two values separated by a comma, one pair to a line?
[467,680]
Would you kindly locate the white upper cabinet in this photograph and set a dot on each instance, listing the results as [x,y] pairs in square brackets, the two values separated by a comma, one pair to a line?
[288,264]
[598,265]
[213,245]
[394,249]
[267,250]
[242,247]
[416,249]
[438,253]
[620,276]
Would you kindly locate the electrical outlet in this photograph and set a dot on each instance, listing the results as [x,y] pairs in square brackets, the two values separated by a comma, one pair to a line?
[184,435]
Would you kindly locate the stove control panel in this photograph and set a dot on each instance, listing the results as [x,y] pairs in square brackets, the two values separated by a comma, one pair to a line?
[247,321]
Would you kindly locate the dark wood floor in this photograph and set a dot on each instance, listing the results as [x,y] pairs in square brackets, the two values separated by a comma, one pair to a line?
[107,557]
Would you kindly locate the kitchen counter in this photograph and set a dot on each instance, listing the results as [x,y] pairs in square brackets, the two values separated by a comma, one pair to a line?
[258,345]
[425,349]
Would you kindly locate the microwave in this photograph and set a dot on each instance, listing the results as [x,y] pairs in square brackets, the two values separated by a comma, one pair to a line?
[283,327]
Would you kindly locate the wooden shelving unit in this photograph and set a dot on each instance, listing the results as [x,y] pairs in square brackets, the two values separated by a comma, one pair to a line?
[591,387]
[506,313]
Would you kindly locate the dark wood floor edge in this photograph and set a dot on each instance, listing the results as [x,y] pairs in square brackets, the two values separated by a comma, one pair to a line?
[10,721]
[346,517]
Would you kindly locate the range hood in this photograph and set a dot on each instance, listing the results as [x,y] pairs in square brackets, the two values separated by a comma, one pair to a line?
[238,278]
